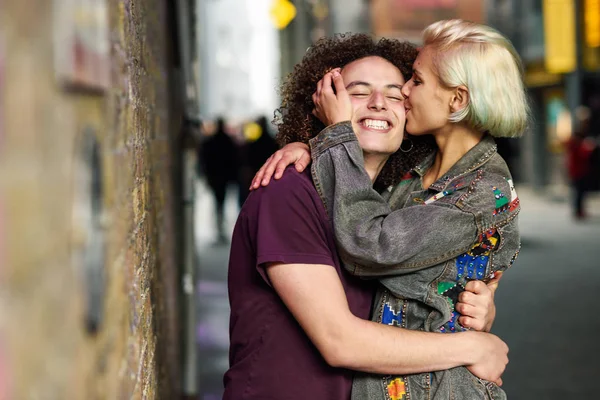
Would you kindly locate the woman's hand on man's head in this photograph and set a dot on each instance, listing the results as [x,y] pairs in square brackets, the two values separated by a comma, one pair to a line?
[332,107]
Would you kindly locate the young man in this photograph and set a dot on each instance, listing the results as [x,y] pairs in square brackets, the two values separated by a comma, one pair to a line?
[298,321]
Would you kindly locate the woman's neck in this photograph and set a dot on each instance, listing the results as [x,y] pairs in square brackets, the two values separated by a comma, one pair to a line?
[374,164]
[453,143]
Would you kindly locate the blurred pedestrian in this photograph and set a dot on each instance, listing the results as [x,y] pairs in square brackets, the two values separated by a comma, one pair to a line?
[258,147]
[579,150]
[594,132]
[217,156]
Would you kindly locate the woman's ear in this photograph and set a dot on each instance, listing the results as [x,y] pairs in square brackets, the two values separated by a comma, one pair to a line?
[460,99]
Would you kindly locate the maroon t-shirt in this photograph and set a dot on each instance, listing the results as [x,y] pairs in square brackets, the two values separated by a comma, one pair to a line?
[270,355]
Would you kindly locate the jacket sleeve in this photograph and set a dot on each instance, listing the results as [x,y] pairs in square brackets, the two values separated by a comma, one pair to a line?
[372,239]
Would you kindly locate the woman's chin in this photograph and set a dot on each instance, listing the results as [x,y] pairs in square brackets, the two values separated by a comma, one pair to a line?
[416,131]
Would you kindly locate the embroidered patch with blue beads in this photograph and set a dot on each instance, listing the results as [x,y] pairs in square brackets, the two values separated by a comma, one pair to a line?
[391,317]
[473,264]
[452,324]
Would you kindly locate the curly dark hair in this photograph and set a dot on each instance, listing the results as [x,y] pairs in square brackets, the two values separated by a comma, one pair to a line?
[294,118]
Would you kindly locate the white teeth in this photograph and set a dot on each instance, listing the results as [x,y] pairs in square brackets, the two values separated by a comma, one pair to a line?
[375,124]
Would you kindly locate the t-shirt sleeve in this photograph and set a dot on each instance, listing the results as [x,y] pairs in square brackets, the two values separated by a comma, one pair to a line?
[289,224]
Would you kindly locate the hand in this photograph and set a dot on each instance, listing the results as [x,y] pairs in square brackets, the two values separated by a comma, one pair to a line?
[294,153]
[331,107]
[476,304]
[490,359]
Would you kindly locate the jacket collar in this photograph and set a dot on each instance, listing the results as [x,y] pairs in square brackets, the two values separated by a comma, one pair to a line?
[474,159]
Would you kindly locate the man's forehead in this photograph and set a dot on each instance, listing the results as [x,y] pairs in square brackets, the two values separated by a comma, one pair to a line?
[373,69]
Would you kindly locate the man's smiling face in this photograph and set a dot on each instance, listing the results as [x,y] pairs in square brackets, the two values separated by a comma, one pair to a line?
[374,86]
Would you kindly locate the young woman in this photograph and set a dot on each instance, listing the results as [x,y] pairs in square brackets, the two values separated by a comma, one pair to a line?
[453,219]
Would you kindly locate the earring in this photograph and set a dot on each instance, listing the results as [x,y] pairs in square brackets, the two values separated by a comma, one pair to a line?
[405,150]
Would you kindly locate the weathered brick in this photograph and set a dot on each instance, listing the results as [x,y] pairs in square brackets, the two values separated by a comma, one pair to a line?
[135,353]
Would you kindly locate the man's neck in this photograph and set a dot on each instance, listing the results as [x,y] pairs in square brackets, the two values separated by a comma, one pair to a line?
[374,164]
[453,143]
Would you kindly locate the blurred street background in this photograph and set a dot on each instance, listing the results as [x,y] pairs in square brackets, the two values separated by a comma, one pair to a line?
[130,130]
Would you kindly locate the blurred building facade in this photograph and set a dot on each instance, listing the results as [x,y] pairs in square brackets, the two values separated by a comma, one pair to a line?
[543,31]
[537,158]
[238,59]
[88,266]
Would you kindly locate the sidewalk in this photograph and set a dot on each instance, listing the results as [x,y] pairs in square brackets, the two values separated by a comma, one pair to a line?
[546,301]
[557,201]
[539,300]
[212,305]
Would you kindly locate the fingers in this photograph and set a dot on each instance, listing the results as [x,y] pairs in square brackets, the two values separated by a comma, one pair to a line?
[480,301]
[493,283]
[270,169]
[471,323]
[466,309]
[319,88]
[338,81]
[477,287]
[287,159]
[476,304]
[467,297]
[303,162]
[259,175]
[327,89]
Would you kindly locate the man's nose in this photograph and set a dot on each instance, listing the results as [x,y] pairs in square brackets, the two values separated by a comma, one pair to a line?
[377,102]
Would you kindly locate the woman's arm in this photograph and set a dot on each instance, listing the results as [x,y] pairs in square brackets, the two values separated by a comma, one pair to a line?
[373,239]
[293,153]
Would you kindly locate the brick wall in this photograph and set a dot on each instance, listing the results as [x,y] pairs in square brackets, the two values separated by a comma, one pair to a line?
[48,352]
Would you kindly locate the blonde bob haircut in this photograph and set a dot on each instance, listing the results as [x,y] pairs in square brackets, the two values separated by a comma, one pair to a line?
[486,63]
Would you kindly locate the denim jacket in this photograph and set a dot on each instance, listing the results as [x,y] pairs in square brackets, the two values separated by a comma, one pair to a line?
[422,245]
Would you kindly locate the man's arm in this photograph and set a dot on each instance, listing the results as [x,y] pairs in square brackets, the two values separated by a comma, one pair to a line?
[316,298]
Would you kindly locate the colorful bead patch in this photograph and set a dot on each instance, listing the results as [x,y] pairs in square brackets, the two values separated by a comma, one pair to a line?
[443,287]
[514,257]
[391,317]
[453,321]
[450,292]
[438,196]
[397,389]
[472,264]
[514,199]
[471,267]
[459,184]
[502,203]
[407,178]
[451,324]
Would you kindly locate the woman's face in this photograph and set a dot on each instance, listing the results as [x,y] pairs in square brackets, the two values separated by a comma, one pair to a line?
[427,102]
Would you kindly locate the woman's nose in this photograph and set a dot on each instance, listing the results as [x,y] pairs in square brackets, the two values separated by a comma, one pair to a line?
[405,90]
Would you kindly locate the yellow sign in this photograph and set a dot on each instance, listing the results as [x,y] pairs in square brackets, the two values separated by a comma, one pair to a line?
[591,9]
[536,76]
[282,13]
[559,36]
[252,132]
